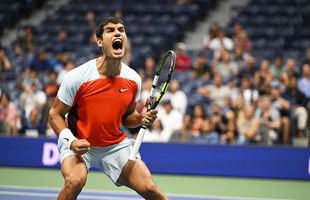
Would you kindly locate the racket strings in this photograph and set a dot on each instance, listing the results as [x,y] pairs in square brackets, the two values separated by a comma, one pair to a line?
[164,72]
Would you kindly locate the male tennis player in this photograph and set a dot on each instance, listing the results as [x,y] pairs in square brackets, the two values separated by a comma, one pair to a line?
[99,96]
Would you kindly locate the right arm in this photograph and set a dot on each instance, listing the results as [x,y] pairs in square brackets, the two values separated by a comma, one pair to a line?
[57,121]
[57,116]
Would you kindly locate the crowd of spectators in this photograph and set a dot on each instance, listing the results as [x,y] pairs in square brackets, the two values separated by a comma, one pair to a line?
[226,95]
[244,98]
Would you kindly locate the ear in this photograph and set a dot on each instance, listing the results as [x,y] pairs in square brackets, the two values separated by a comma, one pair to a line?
[99,42]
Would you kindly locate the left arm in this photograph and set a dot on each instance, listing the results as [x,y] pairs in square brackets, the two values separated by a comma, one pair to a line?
[133,118]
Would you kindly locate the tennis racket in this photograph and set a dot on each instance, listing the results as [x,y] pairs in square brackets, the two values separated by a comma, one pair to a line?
[160,85]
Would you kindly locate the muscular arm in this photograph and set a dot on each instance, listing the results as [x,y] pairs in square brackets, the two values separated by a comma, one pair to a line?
[57,121]
[57,116]
[133,118]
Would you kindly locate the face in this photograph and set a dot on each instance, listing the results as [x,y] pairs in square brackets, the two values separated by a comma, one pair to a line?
[278,62]
[198,111]
[290,64]
[113,41]
[275,92]
[207,126]
[246,83]
[265,65]
[306,70]
[4,101]
[249,112]
[34,115]
[150,63]
[174,86]
[218,80]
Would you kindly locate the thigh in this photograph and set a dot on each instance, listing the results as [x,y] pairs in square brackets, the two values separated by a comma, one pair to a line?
[74,168]
[135,175]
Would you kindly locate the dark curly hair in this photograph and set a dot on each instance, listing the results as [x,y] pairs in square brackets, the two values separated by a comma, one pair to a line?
[105,21]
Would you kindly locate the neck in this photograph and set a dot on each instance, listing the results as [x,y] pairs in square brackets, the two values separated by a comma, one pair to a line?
[108,67]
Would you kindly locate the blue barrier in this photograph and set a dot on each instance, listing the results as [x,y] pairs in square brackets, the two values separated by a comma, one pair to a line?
[237,161]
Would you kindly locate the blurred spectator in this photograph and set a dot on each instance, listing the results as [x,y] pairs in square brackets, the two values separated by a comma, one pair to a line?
[197,118]
[62,44]
[248,126]
[208,135]
[149,67]
[68,66]
[307,59]
[250,67]
[91,22]
[8,115]
[284,108]
[177,96]
[263,78]
[216,92]
[31,98]
[225,66]
[298,102]
[5,65]
[171,118]
[304,80]
[217,119]
[26,42]
[185,134]
[201,68]
[183,61]
[245,94]
[156,133]
[27,77]
[230,134]
[32,126]
[240,38]
[145,92]
[41,62]
[237,31]
[290,71]
[244,42]
[239,57]
[51,87]
[277,68]
[221,41]
[212,33]
[270,121]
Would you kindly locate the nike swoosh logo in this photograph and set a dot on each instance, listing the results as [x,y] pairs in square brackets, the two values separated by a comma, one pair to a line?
[66,139]
[123,89]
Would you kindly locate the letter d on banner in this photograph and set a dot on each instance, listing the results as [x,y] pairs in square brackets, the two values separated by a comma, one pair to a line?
[50,154]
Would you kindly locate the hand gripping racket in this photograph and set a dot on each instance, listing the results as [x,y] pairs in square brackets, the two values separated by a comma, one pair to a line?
[160,84]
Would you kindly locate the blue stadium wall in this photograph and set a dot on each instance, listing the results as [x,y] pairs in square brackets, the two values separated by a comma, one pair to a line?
[235,161]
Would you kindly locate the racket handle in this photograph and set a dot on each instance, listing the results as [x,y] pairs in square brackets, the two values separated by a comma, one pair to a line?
[136,146]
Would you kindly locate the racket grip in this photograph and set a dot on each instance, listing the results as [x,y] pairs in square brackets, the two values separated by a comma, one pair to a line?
[136,146]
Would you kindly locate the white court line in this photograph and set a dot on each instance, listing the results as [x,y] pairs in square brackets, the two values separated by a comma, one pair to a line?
[40,194]
[194,196]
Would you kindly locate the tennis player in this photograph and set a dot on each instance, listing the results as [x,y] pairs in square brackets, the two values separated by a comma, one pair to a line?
[97,98]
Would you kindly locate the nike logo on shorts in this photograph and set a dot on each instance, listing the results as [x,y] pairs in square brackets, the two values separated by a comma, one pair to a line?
[123,89]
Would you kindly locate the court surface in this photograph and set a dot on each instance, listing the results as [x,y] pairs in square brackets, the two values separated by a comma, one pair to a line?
[32,193]
[44,184]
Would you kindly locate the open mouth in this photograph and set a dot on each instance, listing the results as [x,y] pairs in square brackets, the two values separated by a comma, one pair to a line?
[117,44]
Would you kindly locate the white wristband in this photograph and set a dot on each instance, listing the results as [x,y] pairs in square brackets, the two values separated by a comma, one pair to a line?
[67,137]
